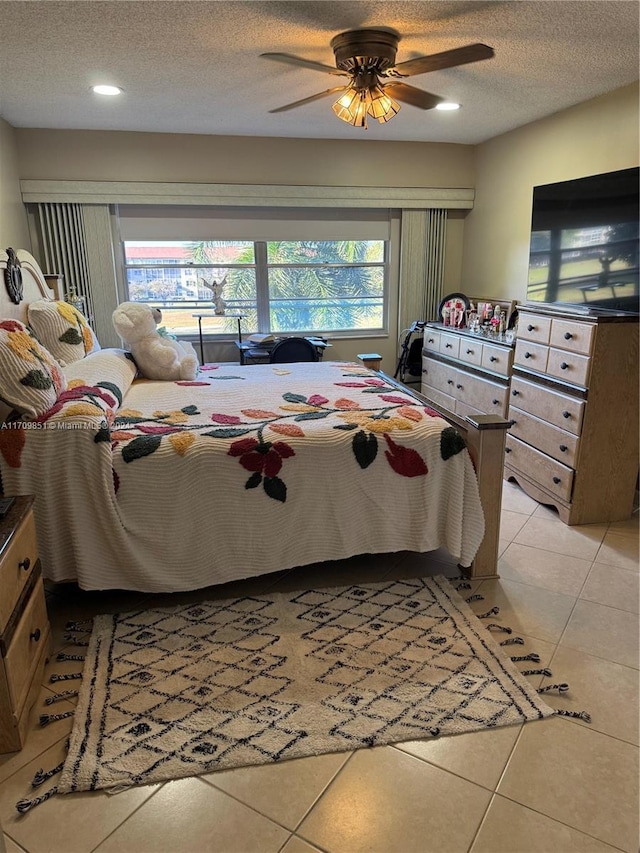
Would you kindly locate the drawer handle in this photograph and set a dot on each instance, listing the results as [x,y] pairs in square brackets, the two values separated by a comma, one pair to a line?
[564,365]
[430,340]
[563,448]
[469,352]
[566,414]
[35,635]
[530,328]
[495,402]
[556,480]
[449,381]
[493,358]
[515,392]
[567,336]
[448,346]
[458,386]
[25,564]
[527,355]
[507,450]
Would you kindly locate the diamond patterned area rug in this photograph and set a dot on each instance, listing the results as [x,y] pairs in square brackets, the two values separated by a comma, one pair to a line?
[180,691]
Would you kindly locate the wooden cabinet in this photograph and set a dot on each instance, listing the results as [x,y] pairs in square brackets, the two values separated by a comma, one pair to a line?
[466,373]
[24,626]
[573,442]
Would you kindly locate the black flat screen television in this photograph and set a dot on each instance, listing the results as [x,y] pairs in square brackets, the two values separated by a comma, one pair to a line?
[584,243]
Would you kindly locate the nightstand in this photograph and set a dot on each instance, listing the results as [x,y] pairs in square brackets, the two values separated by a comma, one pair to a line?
[24,625]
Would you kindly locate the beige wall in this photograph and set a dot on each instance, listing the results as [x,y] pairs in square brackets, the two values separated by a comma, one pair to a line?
[14,231]
[600,135]
[124,156]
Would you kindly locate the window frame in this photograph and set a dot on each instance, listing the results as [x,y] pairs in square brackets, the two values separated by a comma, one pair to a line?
[263,300]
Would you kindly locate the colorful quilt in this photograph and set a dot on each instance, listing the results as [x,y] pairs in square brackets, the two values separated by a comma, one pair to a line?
[166,486]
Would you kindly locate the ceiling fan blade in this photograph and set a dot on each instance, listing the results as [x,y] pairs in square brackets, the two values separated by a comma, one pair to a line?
[290,59]
[410,95]
[309,99]
[446,59]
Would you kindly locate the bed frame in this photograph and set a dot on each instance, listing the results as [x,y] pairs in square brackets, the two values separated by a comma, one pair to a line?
[484,434]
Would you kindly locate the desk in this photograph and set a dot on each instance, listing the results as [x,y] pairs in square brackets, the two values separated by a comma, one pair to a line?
[238,317]
[261,353]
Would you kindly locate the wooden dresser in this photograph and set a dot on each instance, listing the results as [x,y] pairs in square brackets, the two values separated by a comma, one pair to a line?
[573,442]
[468,374]
[24,625]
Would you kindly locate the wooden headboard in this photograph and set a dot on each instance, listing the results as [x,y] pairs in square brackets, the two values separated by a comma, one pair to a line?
[34,286]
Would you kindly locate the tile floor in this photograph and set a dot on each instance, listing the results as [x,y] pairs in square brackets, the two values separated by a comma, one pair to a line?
[555,786]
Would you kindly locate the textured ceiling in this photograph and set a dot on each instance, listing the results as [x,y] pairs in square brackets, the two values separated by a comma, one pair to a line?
[194,67]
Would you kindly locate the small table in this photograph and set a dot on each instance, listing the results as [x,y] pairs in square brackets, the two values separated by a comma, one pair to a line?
[238,317]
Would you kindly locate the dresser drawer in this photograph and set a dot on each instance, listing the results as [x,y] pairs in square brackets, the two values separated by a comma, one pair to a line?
[534,328]
[450,345]
[431,341]
[497,359]
[483,395]
[569,367]
[562,445]
[26,645]
[561,410]
[532,356]
[439,375]
[471,351]
[438,397]
[16,566]
[553,477]
[575,337]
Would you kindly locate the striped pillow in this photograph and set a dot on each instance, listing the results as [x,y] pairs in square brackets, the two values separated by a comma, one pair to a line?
[62,329]
[30,378]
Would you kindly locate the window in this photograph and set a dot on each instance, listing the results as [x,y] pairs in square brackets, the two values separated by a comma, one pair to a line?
[279,280]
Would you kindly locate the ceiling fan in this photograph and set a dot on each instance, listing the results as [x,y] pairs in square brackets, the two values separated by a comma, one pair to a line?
[368,58]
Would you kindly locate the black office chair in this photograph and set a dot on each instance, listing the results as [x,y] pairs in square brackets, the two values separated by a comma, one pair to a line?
[293,349]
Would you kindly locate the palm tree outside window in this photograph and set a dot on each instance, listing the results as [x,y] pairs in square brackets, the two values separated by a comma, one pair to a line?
[304,286]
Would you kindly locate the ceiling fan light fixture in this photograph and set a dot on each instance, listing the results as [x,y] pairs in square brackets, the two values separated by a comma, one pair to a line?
[356,104]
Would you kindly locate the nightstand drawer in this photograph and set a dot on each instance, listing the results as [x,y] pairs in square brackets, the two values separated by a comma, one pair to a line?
[569,367]
[555,478]
[563,446]
[23,654]
[558,409]
[576,337]
[16,566]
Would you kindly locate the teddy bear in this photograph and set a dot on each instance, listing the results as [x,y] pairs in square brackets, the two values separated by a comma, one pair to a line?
[157,356]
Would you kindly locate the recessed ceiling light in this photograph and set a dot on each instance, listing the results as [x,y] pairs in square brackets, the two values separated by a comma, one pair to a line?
[107,90]
[447,105]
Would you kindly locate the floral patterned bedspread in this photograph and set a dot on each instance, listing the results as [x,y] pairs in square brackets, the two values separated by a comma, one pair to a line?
[178,485]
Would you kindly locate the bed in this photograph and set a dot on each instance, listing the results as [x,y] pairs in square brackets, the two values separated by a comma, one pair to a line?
[170,486]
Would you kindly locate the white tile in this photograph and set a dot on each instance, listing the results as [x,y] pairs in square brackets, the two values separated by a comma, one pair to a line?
[579,777]
[606,690]
[580,541]
[511,523]
[620,551]
[613,587]
[525,609]
[555,572]
[603,632]
[511,828]
[385,800]
[190,815]
[285,791]
[515,500]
